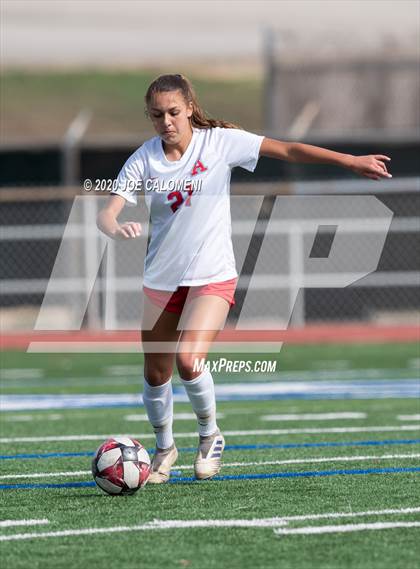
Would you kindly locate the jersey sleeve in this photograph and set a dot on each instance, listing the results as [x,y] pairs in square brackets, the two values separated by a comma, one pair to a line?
[130,179]
[239,147]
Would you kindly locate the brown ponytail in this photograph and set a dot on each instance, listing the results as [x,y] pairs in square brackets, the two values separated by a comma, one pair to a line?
[199,118]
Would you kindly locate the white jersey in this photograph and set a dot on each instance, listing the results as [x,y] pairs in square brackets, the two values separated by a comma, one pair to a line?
[189,203]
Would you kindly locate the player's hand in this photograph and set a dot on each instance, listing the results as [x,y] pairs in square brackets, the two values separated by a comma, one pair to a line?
[128,230]
[372,166]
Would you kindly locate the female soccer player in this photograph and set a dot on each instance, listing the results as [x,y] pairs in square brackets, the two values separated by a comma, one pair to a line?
[190,268]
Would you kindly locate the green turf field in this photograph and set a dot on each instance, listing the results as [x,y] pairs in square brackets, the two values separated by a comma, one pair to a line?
[113,372]
[309,478]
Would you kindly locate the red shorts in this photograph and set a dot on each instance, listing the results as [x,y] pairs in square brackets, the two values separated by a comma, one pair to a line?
[174,301]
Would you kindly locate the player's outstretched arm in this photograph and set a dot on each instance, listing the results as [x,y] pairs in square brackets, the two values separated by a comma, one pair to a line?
[108,224]
[371,166]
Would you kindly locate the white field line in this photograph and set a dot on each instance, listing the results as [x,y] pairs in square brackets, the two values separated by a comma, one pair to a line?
[345,528]
[15,373]
[155,525]
[14,523]
[334,515]
[29,418]
[177,417]
[186,524]
[76,473]
[123,370]
[312,460]
[415,417]
[256,432]
[313,416]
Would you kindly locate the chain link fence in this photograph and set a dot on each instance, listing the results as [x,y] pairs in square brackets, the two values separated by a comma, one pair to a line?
[59,272]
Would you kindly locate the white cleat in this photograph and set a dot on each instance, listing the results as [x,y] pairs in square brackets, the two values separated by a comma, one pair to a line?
[209,456]
[163,460]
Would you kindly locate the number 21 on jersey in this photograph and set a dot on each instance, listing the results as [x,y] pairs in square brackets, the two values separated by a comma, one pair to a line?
[176,198]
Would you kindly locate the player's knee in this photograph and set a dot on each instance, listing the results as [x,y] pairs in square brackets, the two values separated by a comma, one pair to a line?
[157,375]
[187,365]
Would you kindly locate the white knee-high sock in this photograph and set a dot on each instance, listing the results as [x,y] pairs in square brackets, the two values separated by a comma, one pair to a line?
[159,406]
[201,394]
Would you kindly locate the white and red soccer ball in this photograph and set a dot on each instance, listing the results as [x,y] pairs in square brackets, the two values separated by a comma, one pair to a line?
[121,465]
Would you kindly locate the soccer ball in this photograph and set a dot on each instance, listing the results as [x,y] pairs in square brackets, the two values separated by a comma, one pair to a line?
[121,465]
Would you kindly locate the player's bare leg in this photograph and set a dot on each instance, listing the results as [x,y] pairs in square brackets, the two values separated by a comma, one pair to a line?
[157,393]
[201,322]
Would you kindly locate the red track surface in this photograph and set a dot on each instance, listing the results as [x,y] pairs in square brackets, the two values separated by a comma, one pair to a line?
[325,334]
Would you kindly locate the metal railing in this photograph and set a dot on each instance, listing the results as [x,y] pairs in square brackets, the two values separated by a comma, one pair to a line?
[103,278]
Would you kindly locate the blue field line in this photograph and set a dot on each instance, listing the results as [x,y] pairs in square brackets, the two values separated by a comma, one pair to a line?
[231,447]
[190,479]
[238,391]
[46,455]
